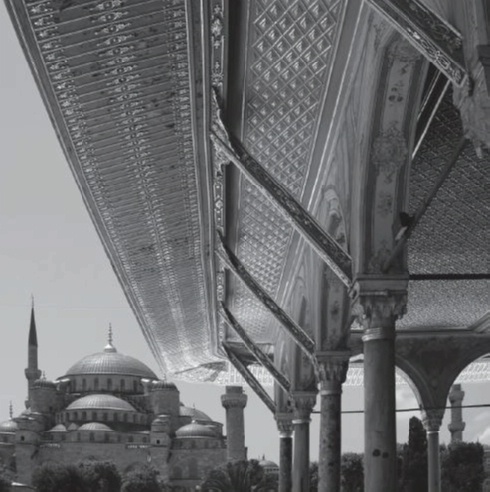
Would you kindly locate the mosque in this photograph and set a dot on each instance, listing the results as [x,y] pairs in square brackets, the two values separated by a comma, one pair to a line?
[112,406]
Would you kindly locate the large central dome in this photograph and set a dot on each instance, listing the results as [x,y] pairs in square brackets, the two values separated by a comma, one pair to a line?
[110,361]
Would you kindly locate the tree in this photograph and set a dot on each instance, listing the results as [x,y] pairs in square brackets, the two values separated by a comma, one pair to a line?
[352,470]
[144,479]
[314,476]
[99,476]
[462,467]
[239,476]
[55,477]
[414,469]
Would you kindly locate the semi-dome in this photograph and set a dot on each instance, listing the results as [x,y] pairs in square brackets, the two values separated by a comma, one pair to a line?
[194,413]
[110,361]
[195,430]
[44,383]
[95,426]
[8,426]
[101,402]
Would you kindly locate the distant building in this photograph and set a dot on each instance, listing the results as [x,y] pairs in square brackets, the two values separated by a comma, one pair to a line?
[110,406]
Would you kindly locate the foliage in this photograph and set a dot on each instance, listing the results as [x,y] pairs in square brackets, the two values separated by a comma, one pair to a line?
[100,476]
[4,483]
[239,476]
[54,477]
[462,467]
[314,476]
[352,470]
[143,479]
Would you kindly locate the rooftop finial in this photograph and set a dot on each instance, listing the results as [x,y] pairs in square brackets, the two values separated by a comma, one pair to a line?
[109,347]
[44,375]
[11,409]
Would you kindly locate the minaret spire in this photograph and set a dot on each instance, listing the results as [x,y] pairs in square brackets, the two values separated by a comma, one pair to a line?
[32,372]
[11,410]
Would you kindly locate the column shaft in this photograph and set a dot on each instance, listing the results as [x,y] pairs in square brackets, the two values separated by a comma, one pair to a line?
[380,460]
[285,462]
[301,467]
[434,467]
[330,439]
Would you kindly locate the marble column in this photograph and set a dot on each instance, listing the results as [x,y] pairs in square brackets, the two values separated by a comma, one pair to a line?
[432,426]
[303,403]
[333,370]
[234,400]
[380,301]
[285,426]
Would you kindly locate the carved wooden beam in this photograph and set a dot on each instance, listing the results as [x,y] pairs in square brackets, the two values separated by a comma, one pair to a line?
[304,341]
[249,378]
[326,247]
[254,350]
[439,42]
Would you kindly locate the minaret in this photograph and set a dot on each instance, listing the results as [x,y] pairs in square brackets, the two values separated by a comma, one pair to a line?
[456,426]
[32,372]
[235,400]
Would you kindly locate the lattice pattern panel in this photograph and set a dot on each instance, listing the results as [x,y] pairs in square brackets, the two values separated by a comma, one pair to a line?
[452,237]
[115,75]
[291,48]
[477,372]
[439,304]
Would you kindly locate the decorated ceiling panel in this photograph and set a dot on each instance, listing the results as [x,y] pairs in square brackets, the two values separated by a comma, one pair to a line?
[115,76]
[289,54]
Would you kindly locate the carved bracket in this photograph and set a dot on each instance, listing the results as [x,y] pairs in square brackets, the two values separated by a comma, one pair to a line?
[249,378]
[303,340]
[326,247]
[439,42]
[254,350]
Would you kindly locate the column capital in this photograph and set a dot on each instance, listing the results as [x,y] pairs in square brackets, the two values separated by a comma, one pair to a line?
[432,419]
[234,397]
[332,370]
[285,424]
[303,403]
[379,301]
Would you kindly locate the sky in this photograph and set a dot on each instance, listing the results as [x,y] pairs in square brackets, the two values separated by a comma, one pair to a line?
[49,249]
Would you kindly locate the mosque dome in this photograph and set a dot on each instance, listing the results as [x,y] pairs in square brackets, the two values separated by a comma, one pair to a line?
[194,413]
[8,426]
[101,402]
[110,361]
[95,426]
[44,383]
[268,464]
[58,428]
[195,430]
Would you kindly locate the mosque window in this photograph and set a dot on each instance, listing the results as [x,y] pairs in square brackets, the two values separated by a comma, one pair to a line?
[106,437]
[63,437]
[123,384]
[116,417]
[109,384]
[84,415]
[125,417]
[76,416]
[79,436]
[96,384]
[84,384]
[22,438]
[4,439]
[130,439]
[94,416]
[144,439]
[104,416]
[92,437]
[134,418]
[135,386]
[119,438]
